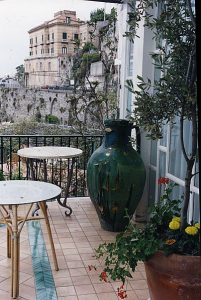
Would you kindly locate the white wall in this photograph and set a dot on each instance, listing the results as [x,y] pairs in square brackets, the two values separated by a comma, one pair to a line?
[142,66]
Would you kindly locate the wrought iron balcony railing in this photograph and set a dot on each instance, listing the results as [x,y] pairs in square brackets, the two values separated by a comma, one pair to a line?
[14,167]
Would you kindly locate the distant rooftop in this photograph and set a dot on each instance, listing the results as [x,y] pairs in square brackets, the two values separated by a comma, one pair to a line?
[65,12]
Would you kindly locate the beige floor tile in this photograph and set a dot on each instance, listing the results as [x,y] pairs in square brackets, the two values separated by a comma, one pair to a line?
[68,298]
[107,296]
[83,244]
[103,287]
[66,291]
[139,284]
[75,238]
[61,273]
[84,289]
[85,250]
[63,281]
[88,297]
[80,239]
[70,251]
[72,257]
[70,245]
[5,295]
[131,295]
[27,292]
[75,264]
[143,294]
[80,280]
[30,282]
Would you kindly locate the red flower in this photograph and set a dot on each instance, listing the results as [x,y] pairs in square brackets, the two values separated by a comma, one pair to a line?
[163,180]
[122,292]
[103,276]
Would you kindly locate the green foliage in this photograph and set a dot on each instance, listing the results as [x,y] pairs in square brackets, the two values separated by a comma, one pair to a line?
[137,244]
[88,46]
[20,73]
[92,103]
[89,58]
[98,15]
[175,92]
[51,119]
[2,175]
[17,175]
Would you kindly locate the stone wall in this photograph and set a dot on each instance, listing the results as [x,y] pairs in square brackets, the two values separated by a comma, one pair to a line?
[19,104]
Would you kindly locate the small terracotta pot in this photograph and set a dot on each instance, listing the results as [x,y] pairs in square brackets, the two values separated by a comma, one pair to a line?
[174,277]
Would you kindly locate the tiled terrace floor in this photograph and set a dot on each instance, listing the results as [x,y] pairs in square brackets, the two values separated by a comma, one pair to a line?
[75,238]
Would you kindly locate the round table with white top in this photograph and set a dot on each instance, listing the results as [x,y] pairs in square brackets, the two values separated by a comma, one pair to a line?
[13,194]
[45,153]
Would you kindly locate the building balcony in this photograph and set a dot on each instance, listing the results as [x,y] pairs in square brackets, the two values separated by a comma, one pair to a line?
[75,237]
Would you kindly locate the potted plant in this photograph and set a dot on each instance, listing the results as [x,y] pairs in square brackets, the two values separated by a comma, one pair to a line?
[171,254]
[169,239]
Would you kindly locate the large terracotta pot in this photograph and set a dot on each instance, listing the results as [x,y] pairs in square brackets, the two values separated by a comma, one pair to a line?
[115,176]
[174,277]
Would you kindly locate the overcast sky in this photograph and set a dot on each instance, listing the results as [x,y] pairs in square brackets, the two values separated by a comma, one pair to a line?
[18,16]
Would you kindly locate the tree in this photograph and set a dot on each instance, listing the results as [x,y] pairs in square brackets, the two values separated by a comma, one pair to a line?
[90,104]
[98,15]
[19,76]
[175,93]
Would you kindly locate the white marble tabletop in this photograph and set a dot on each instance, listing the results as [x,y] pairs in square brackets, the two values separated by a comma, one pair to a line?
[49,152]
[27,191]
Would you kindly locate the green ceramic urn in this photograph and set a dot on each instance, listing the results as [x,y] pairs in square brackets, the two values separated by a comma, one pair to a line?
[115,176]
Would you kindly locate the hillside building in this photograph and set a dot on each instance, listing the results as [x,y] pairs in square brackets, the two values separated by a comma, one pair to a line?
[51,46]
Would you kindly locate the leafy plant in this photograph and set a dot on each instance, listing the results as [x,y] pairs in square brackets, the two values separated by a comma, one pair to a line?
[51,119]
[17,175]
[162,233]
[157,102]
[91,102]
[2,175]
[175,93]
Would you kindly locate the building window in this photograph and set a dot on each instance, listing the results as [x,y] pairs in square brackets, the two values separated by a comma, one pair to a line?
[68,20]
[130,58]
[64,50]
[52,50]
[129,97]
[36,39]
[41,66]
[76,36]
[31,41]
[52,36]
[48,37]
[48,50]
[49,66]
[64,36]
